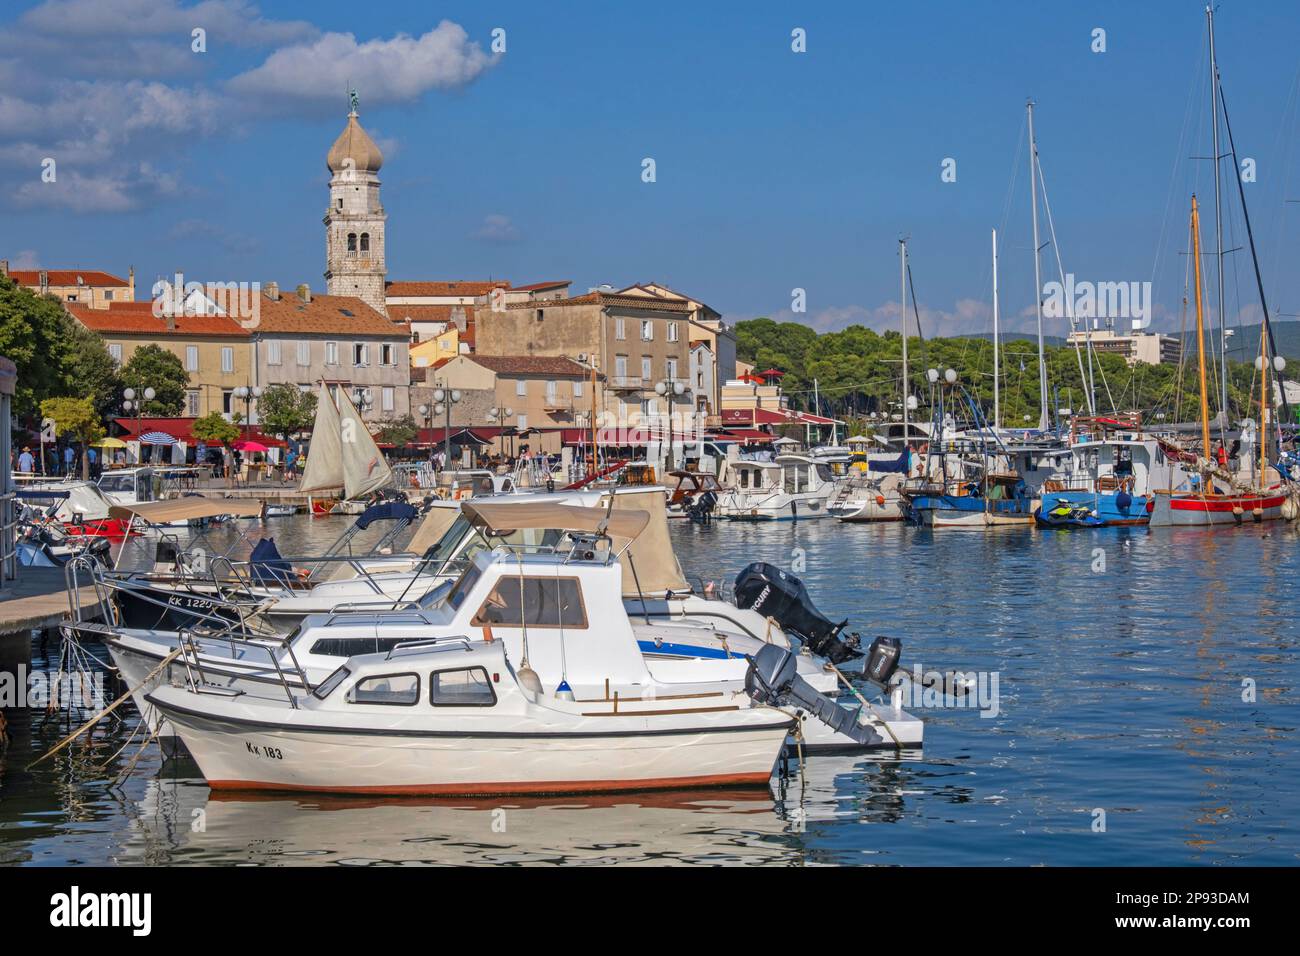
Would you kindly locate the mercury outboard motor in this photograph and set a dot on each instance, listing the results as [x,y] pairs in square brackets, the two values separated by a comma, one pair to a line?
[767,589]
[773,679]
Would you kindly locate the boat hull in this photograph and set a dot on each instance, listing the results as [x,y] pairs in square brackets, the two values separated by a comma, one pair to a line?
[957,511]
[1193,510]
[245,755]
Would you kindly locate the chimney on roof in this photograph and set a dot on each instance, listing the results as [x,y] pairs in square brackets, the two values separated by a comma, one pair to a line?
[4,267]
[44,282]
[169,316]
[130,284]
[304,292]
[272,290]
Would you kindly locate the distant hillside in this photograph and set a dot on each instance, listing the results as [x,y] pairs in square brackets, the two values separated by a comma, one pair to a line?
[1243,349]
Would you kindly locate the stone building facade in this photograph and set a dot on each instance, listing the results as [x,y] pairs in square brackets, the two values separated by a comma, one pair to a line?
[355,220]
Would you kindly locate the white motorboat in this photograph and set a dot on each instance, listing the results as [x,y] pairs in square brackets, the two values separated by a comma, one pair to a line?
[678,640]
[792,487]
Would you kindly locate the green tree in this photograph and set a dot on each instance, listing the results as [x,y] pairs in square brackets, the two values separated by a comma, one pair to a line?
[152,366]
[399,432]
[75,419]
[285,409]
[92,371]
[33,335]
[213,428]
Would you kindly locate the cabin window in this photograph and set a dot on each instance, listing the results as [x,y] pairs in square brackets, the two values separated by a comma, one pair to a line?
[463,687]
[536,602]
[399,690]
[327,686]
[353,646]
[744,477]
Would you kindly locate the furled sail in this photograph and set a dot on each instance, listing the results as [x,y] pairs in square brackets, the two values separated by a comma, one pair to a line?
[324,469]
[364,467]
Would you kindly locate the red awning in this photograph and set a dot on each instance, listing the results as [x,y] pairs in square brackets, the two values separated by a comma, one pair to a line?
[748,436]
[764,416]
[181,430]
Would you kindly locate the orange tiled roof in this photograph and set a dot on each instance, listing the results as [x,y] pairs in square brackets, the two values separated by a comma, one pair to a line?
[529,364]
[472,288]
[538,286]
[325,315]
[427,313]
[137,318]
[606,299]
[60,277]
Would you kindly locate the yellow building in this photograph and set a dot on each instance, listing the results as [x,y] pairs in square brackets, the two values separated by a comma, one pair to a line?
[431,351]
[214,350]
[83,287]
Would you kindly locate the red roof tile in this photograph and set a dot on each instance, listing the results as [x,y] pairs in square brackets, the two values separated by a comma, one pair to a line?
[529,364]
[137,318]
[325,315]
[32,277]
[538,286]
[471,288]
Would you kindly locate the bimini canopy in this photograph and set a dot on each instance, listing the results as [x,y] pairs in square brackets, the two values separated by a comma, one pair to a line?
[184,509]
[499,518]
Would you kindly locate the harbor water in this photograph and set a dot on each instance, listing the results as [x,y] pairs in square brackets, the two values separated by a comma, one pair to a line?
[1139,707]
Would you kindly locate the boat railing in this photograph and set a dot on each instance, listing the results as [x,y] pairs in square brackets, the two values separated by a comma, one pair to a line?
[435,643]
[403,616]
[355,606]
[191,656]
[73,571]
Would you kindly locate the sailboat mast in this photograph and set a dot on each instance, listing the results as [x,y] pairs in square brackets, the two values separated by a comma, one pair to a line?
[1218,215]
[997,360]
[1038,280]
[1200,329]
[902,272]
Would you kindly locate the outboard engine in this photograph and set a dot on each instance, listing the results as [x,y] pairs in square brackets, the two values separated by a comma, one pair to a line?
[767,589]
[773,679]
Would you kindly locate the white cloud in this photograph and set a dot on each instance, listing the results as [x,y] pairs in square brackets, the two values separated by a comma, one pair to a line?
[121,190]
[383,71]
[229,21]
[497,228]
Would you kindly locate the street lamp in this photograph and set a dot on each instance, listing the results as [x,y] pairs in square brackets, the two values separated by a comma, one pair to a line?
[130,403]
[668,388]
[445,399]
[248,395]
[498,416]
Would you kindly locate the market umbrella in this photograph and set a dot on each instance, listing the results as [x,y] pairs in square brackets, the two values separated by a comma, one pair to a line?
[108,443]
[249,446]
[157,438]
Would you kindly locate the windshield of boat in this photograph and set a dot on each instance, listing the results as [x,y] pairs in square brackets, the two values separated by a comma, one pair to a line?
[327,686]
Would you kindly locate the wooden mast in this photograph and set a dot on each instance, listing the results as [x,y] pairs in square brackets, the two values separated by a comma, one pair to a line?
[1200,333]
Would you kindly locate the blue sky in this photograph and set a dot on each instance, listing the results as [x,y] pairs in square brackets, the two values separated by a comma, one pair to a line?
[775,170]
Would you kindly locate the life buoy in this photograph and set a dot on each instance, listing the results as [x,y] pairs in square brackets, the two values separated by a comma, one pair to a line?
[458,494]
[880,500]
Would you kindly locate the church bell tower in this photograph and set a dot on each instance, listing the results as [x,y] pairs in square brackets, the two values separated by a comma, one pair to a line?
[354,223]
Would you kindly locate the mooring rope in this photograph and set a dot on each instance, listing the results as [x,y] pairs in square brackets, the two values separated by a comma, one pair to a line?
[106,711]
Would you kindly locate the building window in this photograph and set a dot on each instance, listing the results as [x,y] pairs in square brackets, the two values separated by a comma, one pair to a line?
[646,371]
[192,403]
[339,202]
[647,331]
[115,350]
[360,354]
[388,398]
[672,331]
[620,328]
[352,242]
[227,401]
[521,386]
[273,352]
[552,389]
[108,295]
[387,355]
[577,389]
[521,422]
[304,353]
[672,369]
[331,353]
[191,358]
[620,366]
[365,242]
[227,358]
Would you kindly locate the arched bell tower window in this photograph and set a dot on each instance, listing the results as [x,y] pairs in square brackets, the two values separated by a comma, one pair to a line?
[352,242]
[365,242]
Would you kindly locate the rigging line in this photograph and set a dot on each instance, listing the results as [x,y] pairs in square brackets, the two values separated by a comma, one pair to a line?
[1069,306]
[1254,258]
